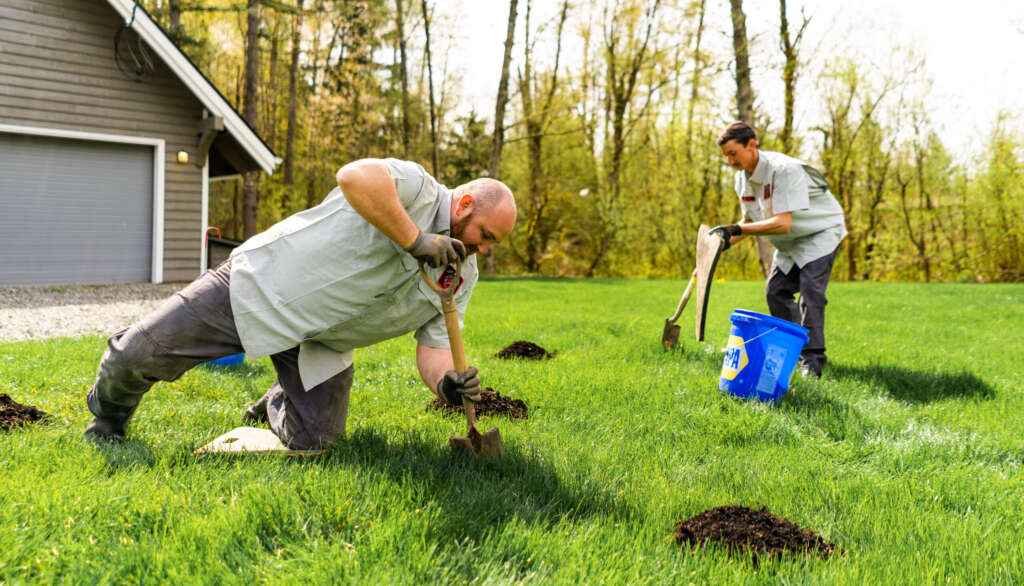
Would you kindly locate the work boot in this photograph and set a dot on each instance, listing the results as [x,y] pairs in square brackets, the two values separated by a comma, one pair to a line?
[257,412]
[810,368]
[104,430]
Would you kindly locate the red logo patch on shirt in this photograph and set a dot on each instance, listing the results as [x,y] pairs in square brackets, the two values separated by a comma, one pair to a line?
[448,277]
[748,198]
[767,191]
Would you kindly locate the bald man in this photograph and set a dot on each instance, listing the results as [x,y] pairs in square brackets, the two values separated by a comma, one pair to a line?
[311,289]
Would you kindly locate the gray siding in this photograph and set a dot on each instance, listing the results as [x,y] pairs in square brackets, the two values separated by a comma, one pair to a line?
[57,70]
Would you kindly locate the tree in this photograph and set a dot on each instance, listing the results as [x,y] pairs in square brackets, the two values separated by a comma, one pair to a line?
[430,89]
[497,141]
[403,68]
[744,89]
[537,97]
[250,188]
[627,34]
[791,51]
[293,90]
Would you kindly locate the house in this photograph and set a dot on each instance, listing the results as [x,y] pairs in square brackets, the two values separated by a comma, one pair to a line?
[109,138]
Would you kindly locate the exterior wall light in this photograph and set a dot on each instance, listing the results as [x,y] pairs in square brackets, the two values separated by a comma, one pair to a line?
[182,157]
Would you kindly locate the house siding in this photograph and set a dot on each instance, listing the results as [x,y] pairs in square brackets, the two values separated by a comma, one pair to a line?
[57,70]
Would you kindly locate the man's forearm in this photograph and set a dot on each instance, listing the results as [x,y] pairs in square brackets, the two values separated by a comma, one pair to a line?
[432,364]
[370,190]
[777,224]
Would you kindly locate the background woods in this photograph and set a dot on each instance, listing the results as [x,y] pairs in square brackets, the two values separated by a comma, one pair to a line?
[604,126]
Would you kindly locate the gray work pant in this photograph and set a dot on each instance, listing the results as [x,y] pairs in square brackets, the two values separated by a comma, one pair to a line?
[810,281]
[196,325]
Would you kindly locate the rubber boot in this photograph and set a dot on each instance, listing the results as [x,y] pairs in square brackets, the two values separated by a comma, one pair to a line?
[113,399]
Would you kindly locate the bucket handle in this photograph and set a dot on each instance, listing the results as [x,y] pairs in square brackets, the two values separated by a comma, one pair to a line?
[757,336]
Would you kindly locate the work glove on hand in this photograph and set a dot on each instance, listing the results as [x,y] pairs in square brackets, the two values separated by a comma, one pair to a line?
[437,250]
[726,232]
[453,386]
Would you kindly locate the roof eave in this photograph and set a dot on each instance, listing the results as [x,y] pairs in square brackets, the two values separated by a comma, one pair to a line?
[199,85]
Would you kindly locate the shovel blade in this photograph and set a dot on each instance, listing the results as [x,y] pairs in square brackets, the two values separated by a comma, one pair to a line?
[486,446]
[670,335]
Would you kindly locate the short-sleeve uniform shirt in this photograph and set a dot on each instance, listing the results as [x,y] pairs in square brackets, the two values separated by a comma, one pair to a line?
[780,184]
[328,281]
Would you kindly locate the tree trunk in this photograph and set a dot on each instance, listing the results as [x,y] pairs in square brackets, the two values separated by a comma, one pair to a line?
[698,71]
[403,75]
[430,89]
[250,187]
[622,85]
[498,140]
[174,9]
[293,80]
[744,90]
[791,51]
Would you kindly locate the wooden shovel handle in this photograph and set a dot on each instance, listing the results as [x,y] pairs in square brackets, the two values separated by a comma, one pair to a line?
[451,322]
[685,297]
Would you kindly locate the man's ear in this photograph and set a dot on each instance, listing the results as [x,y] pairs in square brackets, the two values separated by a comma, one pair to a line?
[752,143]
[465,204]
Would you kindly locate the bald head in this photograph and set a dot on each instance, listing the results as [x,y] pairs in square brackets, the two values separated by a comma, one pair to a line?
[488,193]
[483,212]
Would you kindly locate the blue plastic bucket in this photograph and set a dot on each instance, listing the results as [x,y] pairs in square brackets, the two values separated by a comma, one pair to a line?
[233,360]
[760,356]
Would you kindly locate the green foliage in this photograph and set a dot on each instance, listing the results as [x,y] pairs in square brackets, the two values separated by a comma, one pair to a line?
[909,463]
[631,123]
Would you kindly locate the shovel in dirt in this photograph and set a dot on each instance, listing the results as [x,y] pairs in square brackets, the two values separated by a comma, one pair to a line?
[488,444]
[670,335]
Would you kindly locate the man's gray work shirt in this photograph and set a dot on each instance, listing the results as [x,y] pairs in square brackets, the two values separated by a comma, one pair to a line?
[780,184]
[328,281]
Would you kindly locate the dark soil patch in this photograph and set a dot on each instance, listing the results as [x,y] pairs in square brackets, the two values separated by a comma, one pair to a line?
[13,413]
[524,349]
[491,403]
[759,532]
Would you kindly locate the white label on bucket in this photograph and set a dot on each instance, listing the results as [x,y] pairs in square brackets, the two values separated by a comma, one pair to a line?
[774,356]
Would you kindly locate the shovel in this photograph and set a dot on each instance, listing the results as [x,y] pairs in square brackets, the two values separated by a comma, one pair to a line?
[670,335]
[486,445]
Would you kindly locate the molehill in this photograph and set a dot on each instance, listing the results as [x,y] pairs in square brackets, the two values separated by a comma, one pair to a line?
[743,530]
[491,403]
[13,413]
[524,349]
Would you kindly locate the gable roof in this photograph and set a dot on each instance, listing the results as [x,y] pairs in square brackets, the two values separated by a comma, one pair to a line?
[195,81]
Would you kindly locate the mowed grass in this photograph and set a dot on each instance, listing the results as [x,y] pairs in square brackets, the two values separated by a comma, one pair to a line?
[907,454]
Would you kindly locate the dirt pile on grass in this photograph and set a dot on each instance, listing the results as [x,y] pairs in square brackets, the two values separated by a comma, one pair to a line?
[743,530]
[13,413]
[491,403]
[524,349]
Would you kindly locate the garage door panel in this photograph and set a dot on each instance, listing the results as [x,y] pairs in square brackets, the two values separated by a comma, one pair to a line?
[74,211]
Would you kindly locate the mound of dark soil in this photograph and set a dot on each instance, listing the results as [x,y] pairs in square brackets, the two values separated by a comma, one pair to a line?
[524,349]
[759,532]
[13,413]
[491,403]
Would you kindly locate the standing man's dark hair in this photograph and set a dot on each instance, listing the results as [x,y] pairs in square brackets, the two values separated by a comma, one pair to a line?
[741,132]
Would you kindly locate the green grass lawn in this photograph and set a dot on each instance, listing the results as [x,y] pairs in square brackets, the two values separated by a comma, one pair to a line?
[907,454]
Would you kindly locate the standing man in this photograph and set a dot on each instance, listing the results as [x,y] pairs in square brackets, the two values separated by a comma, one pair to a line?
[789,202]
[311,289]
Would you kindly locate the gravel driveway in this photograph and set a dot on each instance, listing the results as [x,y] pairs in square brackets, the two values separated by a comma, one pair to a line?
[37,312]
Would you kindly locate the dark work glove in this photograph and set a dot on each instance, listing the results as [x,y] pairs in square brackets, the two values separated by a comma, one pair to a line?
[437,250]
[452,387]
[726,232]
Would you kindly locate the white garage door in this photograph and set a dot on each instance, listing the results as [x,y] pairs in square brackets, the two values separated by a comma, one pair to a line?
[74,211]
